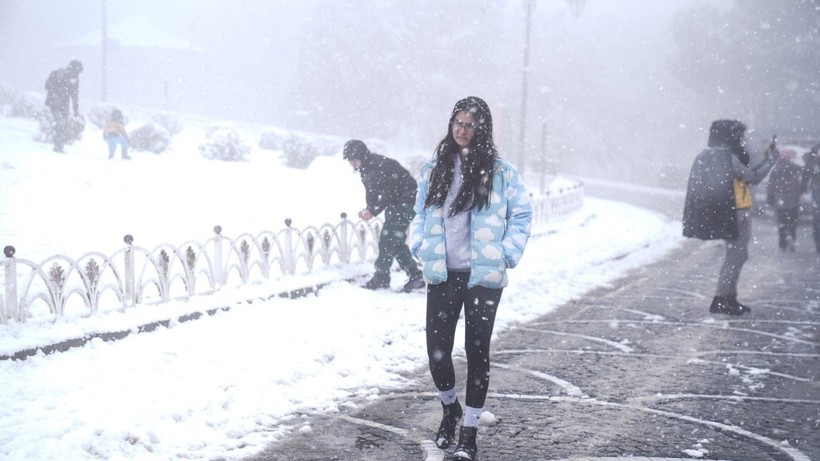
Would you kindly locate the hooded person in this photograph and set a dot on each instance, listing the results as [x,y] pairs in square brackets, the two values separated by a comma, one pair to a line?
[718,202]
[389,187]
[62,90]
[783,194]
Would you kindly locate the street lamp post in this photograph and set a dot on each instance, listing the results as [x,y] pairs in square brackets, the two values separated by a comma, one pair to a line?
[104,84]
[576,7]
[522,142]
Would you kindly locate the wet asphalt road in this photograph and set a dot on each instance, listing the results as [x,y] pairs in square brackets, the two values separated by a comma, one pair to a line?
[639,370]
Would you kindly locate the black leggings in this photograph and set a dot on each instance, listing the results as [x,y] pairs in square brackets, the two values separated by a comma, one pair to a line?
[392,241]
[787,224]
[444,302]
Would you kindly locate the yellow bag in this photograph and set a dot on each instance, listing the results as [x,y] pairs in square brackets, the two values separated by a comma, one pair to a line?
[743,195]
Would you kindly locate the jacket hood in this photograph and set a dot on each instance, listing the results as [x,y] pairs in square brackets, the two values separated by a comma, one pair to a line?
[355,150]
[730,134]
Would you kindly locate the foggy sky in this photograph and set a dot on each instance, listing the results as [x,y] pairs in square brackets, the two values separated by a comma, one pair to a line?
[599,84]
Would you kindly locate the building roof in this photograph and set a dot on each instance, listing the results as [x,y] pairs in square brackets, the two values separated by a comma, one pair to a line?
[135,32]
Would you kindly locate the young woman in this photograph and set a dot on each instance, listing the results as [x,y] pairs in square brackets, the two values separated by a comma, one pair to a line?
[472,223]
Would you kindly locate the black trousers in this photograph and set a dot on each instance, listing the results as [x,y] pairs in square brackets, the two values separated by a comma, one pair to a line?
[816,224]
[444,304]
[393,241]
[787,224]
[61,126]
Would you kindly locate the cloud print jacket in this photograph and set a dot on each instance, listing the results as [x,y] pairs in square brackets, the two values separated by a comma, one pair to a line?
[499,232]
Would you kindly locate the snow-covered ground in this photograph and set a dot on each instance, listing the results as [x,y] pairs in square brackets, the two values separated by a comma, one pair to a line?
[226,385]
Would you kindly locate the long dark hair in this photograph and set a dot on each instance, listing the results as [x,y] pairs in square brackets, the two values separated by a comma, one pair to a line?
[730,133]
[477,166]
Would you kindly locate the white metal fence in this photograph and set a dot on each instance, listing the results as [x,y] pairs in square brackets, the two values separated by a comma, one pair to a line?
[136,275]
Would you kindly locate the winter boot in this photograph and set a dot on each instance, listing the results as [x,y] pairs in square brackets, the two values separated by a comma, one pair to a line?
[466,448]
[723,305]
[378,282]
[447,429]
[415,282]
[732,298]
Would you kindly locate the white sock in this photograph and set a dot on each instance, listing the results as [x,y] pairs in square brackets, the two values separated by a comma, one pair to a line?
[448,397]
[471,416]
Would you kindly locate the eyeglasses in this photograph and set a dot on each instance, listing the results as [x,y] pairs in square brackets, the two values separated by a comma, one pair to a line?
[464,126]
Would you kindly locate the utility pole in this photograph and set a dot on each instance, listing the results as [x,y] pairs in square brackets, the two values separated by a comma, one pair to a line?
[576,7]
[522,141]
[542,161]
[104,66]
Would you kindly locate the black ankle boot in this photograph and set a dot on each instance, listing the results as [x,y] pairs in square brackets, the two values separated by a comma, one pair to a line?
[447,429]
[378,282]
[466,448]
[723,305]
[732,298]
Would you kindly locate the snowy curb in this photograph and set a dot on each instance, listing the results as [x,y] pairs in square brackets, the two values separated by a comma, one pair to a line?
[65,345]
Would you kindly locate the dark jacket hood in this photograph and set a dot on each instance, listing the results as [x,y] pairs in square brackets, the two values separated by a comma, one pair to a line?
[730,133]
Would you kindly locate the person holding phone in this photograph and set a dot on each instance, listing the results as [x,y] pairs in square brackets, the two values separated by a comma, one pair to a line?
[783,194]
[718,202]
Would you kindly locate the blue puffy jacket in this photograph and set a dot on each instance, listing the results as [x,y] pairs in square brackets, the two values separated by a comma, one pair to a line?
[499,232]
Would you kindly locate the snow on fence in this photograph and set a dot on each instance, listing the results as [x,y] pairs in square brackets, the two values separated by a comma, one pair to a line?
[135,275]
[558,202]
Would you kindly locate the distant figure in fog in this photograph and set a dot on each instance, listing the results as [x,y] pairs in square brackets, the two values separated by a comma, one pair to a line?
[115,135]
[811,181]
[783,195]
[717,204]
[62,89]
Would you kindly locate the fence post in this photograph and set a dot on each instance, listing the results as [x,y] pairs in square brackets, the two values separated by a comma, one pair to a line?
[290,262]
[130,276]
[344,248]
[218,274]
[10,282]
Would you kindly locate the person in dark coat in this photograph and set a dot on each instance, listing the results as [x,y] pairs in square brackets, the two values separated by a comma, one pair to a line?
[811,181]
[389,187]
[717,204]
[62,90]
[783,195]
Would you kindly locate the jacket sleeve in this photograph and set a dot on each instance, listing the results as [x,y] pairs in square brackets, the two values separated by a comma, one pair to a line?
[373,199]
[752,175]
[417,225]
[374,180]
[123,132]
[519,219]
[74,92]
